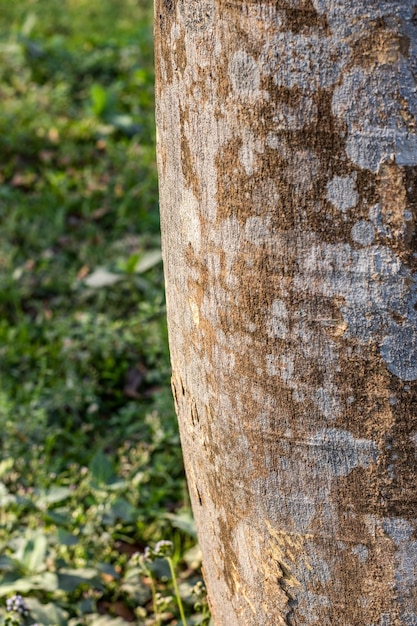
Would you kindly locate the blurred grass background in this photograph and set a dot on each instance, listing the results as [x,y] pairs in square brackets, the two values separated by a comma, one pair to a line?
[90,466]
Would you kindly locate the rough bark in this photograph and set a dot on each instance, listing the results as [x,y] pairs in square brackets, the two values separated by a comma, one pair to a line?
[287,154]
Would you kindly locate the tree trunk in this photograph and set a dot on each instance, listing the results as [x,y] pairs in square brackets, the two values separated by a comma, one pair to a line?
[287,155]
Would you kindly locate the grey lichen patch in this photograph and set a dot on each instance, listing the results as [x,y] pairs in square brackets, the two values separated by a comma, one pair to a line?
[362,15]
[311,373]
[398,529]
[413,438]
[409,618]
[342,193]
[310,606]
[327,400]
[363,232]
[278,320]
[377,219]
[399,349]
[378,121]
[299,507]
[224,359]
[244,74]
[379,293]
[313,601]
[337,452]
[305,476]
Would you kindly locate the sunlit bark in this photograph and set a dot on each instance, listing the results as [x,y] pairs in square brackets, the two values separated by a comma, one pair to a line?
[287,155]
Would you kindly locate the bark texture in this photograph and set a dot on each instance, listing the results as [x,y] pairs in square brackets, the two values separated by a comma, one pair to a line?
[287,154]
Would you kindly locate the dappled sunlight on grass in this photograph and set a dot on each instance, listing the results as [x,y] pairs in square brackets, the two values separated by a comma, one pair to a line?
[90,467]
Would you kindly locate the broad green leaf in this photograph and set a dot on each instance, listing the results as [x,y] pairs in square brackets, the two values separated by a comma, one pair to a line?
[99,99]
[184,521]
[130,264]
[160,568]
[70,579]
[107,568]
[87,573]
[56,517]
[134,587]
[32,552]
[65,538]
[46,614]
[122,509]
[42,582]
[23,585]
[116,484]
[106,620]
[102,278]
[193,557]
[28,24]
[83,607]
[52,496]
[148,260]
[185,589]
[124,123]
[6,564]
[101,468]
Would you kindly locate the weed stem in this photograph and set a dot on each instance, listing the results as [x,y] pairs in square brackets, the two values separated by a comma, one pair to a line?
[177,592]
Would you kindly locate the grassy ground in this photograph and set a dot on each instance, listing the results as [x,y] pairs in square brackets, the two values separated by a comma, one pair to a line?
[90,465]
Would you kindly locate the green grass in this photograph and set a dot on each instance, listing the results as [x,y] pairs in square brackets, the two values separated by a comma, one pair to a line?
[90,467]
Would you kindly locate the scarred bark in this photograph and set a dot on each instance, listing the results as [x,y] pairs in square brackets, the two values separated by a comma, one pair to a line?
[287,154]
